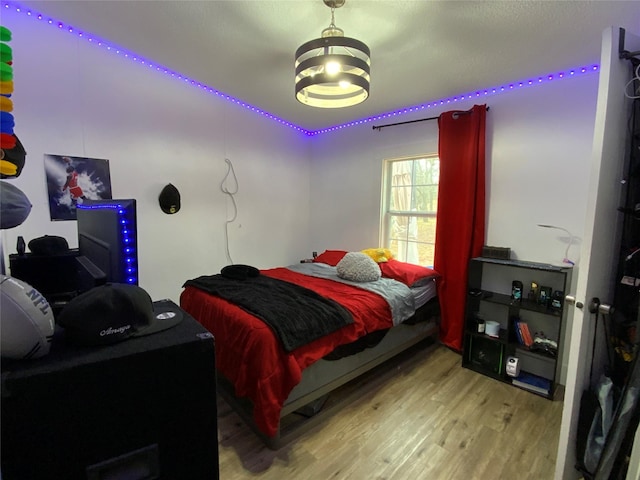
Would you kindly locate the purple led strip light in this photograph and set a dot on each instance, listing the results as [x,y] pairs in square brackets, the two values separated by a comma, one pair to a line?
[477,94]
[437,103]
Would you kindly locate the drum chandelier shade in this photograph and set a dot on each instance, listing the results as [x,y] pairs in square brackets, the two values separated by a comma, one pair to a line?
[332,71]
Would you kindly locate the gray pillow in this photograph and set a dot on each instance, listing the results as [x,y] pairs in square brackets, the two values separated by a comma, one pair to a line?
[358,267]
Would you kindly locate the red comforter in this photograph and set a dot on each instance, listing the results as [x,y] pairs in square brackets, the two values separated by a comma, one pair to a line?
[249,354]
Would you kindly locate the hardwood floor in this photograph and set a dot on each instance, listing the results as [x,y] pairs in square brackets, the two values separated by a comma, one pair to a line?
[420,416]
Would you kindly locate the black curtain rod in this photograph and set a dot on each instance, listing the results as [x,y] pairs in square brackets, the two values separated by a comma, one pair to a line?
[380,127]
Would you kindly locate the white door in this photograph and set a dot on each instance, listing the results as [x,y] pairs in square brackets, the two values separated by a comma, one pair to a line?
[599,254]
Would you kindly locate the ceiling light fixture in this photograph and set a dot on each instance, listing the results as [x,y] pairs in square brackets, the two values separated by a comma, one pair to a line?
[332,71]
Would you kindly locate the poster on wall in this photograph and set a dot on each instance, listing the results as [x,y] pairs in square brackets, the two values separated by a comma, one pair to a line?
[71,180]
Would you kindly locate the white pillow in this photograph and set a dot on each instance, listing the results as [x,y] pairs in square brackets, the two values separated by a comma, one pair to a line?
[358,267]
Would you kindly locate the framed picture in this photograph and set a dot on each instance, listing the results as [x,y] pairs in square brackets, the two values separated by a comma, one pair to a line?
[71,180]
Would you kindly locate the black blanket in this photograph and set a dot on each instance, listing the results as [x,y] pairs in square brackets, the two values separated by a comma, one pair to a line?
[296,314]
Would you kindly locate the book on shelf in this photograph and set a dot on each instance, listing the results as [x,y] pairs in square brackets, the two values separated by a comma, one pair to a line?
[526,334]
[516,329]
[533,383]
[522,332]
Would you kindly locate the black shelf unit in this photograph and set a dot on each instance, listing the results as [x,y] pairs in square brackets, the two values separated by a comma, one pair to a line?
[489,296]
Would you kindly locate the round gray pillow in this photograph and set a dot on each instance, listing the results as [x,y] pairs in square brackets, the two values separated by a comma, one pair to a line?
[358,267]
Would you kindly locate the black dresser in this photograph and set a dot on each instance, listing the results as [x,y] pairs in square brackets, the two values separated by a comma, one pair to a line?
[141,409]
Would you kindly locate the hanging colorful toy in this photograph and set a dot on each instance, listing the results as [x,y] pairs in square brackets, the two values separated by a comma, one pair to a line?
[6,89]
[14,204]
[12,154]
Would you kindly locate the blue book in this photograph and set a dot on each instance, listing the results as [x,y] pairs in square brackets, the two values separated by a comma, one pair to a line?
[533,382]
[516,325]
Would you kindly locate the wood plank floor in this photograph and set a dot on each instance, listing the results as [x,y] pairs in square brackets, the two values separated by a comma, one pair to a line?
[420,416]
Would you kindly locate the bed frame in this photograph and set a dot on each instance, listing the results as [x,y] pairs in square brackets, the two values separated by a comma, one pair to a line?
[308,403]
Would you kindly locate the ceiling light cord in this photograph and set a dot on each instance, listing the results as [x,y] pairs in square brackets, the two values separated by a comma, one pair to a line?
[231,194]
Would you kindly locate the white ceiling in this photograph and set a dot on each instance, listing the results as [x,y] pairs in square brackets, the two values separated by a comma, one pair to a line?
[421,50]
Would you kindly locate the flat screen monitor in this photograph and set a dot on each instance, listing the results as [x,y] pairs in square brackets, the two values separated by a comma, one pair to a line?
[107,237]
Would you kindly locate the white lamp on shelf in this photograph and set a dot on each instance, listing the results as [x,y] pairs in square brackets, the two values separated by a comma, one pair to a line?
[569,243]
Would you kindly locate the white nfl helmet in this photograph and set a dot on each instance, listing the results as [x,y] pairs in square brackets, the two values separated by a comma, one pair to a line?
[26,320]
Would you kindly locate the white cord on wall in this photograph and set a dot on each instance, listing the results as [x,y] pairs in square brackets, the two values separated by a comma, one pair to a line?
[230,192]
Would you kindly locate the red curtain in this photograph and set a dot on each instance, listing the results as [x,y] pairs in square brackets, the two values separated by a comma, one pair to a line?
[460,227]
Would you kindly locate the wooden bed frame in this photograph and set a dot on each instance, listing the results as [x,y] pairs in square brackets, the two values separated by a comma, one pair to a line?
[308,403]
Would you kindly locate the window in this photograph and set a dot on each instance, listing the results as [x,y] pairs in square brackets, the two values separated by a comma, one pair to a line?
[409,206]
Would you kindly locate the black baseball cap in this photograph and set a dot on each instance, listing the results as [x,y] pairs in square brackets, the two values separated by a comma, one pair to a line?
[49,245]
[113,313]
[239,272]
[169,199]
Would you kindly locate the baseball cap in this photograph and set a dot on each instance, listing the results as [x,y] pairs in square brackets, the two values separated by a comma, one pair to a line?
[48,245]
[15,207]
[239,272]
[113,313]
[169,199]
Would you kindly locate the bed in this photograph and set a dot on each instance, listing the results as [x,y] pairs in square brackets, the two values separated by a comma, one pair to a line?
[266,374]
